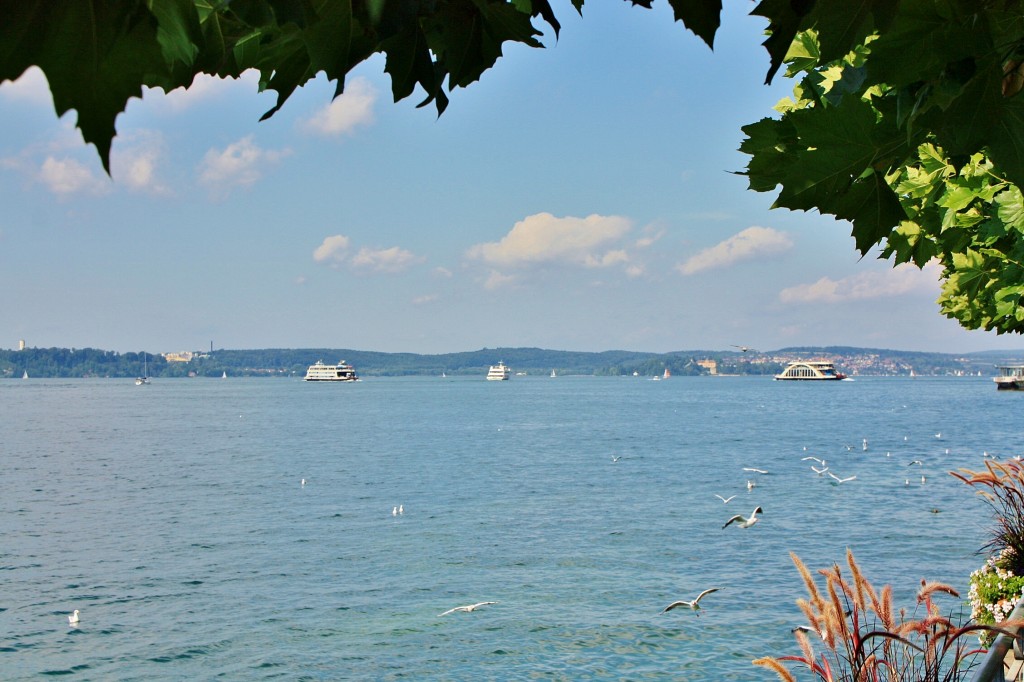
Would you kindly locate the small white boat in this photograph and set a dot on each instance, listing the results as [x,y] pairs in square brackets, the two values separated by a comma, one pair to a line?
[318,371]
[144,379]
[498,372]
[224,375]
[814,370]
[553,375]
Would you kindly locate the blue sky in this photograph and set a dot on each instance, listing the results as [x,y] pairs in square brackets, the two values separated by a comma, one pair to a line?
[578,197]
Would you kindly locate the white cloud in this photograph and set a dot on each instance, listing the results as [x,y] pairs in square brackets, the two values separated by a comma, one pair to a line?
[649,239]
[442,272]
[753,242]
[610,258]
[31,87]
[332,250]
[544,238]
[134,162]
[902,279]
[240,164]
[205,87]
[384,260]
[349,110]
[496,280]
[426,298]
[67,176]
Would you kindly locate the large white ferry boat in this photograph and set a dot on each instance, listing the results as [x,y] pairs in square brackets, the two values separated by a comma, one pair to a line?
[813,370]
[498,372]
[1011,378]
[339,372]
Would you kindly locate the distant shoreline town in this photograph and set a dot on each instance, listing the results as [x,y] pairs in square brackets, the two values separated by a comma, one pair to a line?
[95,363]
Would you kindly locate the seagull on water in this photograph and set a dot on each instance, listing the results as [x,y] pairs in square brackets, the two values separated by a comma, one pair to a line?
[751,485]
[616,458]
[725,500]
[916,461]
[401,509]
[73,618]
[467,608]
[694,605]
[841,480]
[394,511]
[745,522]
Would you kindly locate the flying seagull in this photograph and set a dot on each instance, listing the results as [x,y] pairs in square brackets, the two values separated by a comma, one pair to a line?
[818,471]
[694,605]
[807,628]
[725,500]
[743,349]
[841,480]
[745,522]
[73,618]
[467,608]
[819,461]
[756,471]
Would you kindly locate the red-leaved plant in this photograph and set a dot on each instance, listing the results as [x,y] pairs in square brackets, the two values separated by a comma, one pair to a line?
[858,636]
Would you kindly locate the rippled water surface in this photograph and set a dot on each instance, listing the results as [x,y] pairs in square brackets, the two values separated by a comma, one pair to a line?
[174,518]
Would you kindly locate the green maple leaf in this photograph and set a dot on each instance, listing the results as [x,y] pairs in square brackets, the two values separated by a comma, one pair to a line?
[1010,208]
[96,56]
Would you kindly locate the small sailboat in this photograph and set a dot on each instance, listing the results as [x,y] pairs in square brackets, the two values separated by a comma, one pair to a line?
[224,375]
[667,374]
[553,375]
[144,379]
[25,375]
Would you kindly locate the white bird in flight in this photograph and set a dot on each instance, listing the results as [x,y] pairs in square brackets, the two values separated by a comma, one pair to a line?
[756,471]
[743,349]
[745,522]
[694,605]
[818,471]
[73,618]
[819,461]
[841,480]
[467,608]
[725,500]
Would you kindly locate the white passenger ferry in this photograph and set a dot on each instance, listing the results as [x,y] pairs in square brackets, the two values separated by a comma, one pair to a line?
[338,372]
[1011,378]
[813,370]
[498,372]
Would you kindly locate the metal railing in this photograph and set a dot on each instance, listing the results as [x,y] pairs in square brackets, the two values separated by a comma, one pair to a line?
[992,667]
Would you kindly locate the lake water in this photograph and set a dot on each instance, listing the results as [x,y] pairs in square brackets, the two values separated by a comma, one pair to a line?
[174,518]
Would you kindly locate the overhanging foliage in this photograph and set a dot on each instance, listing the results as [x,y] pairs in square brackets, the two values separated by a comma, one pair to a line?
[907,119]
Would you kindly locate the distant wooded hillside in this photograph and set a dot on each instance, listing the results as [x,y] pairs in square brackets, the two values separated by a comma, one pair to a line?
[90,362]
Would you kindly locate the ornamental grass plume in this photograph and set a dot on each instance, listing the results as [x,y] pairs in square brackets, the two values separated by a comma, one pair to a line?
[1002,486]
[862,638]
[998,585]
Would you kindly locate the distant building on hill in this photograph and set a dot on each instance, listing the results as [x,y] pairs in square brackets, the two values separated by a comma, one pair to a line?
[710,365]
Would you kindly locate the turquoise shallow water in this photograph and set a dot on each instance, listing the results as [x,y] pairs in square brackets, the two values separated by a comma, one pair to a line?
[173,516]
